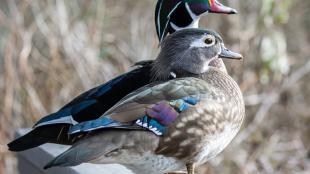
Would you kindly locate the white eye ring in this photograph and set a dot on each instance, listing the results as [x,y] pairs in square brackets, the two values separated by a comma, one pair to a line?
[205,41]
[209,40]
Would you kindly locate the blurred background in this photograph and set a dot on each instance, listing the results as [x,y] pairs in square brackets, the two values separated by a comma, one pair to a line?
[50,51]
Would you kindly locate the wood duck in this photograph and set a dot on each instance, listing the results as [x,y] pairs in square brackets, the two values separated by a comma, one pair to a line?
[173,15]
[93,103]
[203,125]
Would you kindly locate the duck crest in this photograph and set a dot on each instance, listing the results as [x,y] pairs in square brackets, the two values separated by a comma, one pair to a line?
[173,15]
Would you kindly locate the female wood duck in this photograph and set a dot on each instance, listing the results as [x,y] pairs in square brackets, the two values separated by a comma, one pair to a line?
[93,103]
[173,15]
[208,116]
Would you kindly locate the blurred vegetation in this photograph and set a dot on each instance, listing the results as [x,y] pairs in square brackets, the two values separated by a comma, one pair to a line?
[50,51]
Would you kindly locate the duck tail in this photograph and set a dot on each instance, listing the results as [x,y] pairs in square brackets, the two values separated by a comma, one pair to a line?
[39,136]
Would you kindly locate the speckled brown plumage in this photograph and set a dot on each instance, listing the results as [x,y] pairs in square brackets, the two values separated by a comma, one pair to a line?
[223,105]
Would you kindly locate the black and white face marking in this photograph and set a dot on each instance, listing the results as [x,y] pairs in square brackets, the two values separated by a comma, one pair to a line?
[193,24]
[172,24]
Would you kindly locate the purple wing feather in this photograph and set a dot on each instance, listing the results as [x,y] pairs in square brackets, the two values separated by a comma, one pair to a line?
[156,118]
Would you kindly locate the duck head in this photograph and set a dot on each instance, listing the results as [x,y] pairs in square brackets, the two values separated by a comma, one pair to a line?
[190,51]
[173,15]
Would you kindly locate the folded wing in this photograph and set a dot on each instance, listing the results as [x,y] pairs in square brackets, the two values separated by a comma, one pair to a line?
[149,108]
[88,106]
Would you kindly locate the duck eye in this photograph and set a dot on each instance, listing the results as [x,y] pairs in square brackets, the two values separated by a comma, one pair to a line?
[209,40]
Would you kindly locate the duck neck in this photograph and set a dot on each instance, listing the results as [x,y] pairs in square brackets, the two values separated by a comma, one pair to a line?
[160,73]
[218,63]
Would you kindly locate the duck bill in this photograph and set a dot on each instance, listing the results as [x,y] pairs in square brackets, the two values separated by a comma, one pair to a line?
[227,54]
[217,7]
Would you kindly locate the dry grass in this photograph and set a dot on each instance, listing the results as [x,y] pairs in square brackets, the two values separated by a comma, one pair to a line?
[50,51]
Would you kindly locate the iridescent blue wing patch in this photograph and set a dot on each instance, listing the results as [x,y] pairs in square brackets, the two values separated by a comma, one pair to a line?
[145,122]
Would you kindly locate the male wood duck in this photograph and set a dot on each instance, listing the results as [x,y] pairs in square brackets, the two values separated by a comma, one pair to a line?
[95,102]
[208,115]
[173,15]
